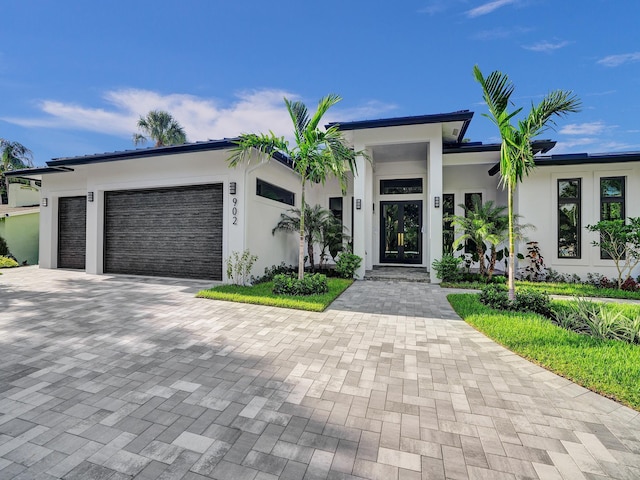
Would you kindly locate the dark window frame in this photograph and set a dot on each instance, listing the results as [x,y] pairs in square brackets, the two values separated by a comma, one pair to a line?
[571,200]
[621,199]
[415,184]
[282,195]
[470,246]
[448,229]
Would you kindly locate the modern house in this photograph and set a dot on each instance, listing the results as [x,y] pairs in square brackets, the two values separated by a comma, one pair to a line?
[181,211]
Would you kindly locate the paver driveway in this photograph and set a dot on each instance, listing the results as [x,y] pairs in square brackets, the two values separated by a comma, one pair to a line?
[115,377]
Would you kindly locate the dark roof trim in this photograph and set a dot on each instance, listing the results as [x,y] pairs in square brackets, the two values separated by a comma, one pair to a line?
[27,172]
[586,158]
[144,153]
[580,159]
[460,116]
[538,146]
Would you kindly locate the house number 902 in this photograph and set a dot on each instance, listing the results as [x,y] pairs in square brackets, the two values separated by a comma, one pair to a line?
[234,211]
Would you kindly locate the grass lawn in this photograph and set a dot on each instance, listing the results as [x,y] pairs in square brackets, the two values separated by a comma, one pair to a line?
[261,294]
[557,289]
[608,367]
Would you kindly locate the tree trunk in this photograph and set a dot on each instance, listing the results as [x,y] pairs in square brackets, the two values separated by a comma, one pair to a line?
[481,264]
[512,246]
[492,262]
[311,255]
[301,252]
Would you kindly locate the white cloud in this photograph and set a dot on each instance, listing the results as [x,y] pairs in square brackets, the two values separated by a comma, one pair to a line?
[572,145]
[546,46]
[202,119]
[487,8]
[617,60]
[592,128]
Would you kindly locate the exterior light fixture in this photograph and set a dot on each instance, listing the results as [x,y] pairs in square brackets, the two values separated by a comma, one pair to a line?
[90,196]
[45,202]
[232,188]
[358,204]
[436,202]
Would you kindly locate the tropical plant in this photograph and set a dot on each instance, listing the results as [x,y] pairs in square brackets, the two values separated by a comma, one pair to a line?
[239,267]
[482,223]
[161,127]
[621,241]
[448,268]
[516,153]
[315,154]
[13,156]
[320,225]
[347,264]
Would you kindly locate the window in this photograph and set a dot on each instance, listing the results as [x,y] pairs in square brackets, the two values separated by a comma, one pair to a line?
[272,192]
[569,198]
[448,209]
[335,205]
[401,186]
[612,201]
[470,201]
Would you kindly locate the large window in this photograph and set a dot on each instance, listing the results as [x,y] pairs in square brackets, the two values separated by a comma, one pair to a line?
[471,200]
[612,199]
[273,192]
[402,186]
[569,196]
[448,209]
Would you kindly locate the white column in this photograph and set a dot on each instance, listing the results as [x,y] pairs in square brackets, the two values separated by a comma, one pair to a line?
[359,233]
[94,249]
[434,180]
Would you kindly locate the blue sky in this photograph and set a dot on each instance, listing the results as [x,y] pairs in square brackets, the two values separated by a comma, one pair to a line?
[75,75]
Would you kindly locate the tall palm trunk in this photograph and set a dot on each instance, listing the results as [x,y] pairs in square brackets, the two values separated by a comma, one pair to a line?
[301,249]
[512,246]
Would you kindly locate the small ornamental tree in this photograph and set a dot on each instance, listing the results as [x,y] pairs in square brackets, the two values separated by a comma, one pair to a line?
[621,241]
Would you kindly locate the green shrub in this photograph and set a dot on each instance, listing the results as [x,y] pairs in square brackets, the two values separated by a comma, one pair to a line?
[347,264]
[313,284]
[6,262]
[272,271]
[497,297]
[532,301]
[448,268]
[4,248]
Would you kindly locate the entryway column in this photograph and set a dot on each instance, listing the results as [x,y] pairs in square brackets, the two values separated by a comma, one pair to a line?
[362,212]
[434,207]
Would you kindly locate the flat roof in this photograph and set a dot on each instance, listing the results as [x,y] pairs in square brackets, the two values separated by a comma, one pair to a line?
[580,159]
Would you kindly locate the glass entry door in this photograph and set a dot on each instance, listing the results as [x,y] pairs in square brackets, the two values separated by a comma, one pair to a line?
[401,232]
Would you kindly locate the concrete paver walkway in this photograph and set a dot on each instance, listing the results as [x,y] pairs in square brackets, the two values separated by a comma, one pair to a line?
[113,378]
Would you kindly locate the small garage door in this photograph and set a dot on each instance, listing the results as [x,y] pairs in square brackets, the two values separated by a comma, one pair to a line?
[72,232]
[166,232]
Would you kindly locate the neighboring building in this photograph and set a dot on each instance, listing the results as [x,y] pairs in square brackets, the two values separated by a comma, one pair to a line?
[19,221]
[181,211]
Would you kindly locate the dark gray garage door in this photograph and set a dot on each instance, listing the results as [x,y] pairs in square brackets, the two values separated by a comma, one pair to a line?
[167,232]
[72,232]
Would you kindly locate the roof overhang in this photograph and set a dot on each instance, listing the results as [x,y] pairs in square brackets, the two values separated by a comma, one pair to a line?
[537,146]
[460,123]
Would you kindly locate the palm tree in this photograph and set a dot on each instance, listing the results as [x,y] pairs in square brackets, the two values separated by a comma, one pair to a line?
[516,154]
[315,154]
[483,222]
[161,127]
[318,221]
[14,156]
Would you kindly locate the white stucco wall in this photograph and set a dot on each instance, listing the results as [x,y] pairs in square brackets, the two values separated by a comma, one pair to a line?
[537,203]
[21,195]
[166,171]
[263,214]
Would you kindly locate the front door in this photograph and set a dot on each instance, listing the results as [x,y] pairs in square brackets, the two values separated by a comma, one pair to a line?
[401,232]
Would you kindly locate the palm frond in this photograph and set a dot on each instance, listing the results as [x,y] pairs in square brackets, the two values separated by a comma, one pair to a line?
[264,144]
[299,116]
[324,104]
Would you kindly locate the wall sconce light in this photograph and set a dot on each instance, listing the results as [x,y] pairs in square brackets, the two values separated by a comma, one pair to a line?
[436,202]
[45,202]
[358,204]
[90,196]
[232,188]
